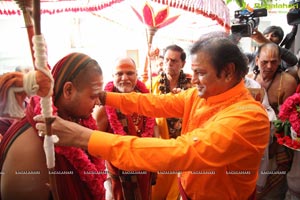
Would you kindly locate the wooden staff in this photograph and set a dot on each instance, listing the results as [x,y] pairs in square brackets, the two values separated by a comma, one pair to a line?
[25,6]
[148,73]
[45,101]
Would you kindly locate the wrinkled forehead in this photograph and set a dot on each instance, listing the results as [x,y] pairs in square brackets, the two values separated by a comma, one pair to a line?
[172,54]
[270,52]
[125,64]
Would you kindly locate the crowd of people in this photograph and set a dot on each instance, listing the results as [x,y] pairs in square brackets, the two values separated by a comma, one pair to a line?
[205,135]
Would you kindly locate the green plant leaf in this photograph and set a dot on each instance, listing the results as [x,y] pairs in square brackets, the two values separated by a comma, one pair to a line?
[298,108]
[278,124]
[240,3]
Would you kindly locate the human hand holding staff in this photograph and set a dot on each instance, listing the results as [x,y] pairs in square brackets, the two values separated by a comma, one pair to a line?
[69,133]
[40,55]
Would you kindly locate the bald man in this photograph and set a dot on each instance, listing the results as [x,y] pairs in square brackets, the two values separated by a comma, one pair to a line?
[124,184]
[279,85]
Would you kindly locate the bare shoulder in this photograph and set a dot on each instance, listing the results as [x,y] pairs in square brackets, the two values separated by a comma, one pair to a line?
[289,79]
[293,71]
[289,85]
[24,171]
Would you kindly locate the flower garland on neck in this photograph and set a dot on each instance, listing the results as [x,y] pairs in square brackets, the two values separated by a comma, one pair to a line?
[288,124]
[116,125]
[165,83]
[78,158]
[84,163]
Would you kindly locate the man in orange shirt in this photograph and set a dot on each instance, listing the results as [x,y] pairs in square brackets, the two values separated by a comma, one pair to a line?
[224,130]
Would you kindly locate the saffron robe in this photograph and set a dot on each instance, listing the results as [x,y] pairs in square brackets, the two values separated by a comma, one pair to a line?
[219,152]
[166,187]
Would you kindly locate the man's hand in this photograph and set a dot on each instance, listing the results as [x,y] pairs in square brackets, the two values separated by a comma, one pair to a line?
[69,133]
[153,53]
[176,90]
[44,83]
[259,37]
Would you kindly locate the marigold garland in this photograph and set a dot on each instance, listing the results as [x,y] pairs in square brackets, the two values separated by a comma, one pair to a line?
[289,117]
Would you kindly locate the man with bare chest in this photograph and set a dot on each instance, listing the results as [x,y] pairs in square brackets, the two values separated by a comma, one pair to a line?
[279,85]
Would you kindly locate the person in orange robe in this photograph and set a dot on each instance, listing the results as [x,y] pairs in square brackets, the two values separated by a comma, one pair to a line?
[224,130]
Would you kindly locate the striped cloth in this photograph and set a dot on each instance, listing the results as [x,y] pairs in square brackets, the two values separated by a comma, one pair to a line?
[67,69]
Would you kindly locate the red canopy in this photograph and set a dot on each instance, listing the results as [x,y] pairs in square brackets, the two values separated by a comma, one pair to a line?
[105,26]
[213,9]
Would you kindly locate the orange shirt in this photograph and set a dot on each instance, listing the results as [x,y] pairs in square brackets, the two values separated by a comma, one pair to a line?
[166,186]
[161,122]
[222,142]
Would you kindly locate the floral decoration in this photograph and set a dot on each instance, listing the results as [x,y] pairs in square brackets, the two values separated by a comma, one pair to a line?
[79,159]
[288,123]
[113,118]
[158,20]
[154,21]
[83,162]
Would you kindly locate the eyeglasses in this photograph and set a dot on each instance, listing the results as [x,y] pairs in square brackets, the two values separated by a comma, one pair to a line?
[128,73]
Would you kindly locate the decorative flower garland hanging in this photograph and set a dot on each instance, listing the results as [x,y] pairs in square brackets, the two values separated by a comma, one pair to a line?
[78,158]
[116,125]
[288,124]
[83,163]
[56,7]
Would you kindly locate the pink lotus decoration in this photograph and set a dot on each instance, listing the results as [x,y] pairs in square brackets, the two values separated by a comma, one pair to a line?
[154,21]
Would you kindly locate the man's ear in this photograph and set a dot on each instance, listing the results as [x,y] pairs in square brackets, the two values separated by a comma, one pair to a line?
[68,89]
[229,71]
